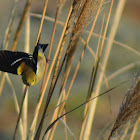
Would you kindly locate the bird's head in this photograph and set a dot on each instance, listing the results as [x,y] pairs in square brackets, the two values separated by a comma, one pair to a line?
[29,78]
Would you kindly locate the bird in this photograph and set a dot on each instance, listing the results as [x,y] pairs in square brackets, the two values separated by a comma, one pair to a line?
[30,66]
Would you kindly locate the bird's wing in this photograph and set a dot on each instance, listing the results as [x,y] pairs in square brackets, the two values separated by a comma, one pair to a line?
[10,61]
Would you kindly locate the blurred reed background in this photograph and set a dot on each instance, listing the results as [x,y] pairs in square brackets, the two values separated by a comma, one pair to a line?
[97,44]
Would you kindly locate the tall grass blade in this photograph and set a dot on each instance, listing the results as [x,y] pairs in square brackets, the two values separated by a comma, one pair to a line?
[53,123]
[68,128]
[94,55]
[87,11]
[9,27]
[2,82]
[25,105]
[55,115]
[92,81]
[18,31]
[32,129]
[116,42]
[21,107]
[59,7]
[21,23]
[47,18]
[78,31]
[122,70]
[16,105]
[42,20]
[135,129]
[105,60]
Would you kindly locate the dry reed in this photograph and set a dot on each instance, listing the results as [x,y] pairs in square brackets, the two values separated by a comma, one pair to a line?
[8,33]
[17,34]
[59,7]
[84,17]
[58,118]
[94,55]
[25,105]
[48,77]
[60,52]
[105,60]
[21,23]
[20,113]
[122,70]
[54,79]
[120,44]
[87,11]
[9,27]
[77,30]
[15,104]
[92,107]
[80,15]
[135,128]
[18,31]
[92,80]
[33,126]
[129,108]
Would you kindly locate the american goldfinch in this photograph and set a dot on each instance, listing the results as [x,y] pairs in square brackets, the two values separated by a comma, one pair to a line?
[31,67]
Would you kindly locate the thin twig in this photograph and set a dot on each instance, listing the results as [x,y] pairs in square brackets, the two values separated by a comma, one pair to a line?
[16,104]
[25,105]
[21,23]
[47,18]
[55,115]
[21,106]
[42,20]
[122,70]
[9,27]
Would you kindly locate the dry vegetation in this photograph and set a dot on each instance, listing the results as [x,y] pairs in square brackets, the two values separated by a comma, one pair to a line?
[129,108]
[81,20]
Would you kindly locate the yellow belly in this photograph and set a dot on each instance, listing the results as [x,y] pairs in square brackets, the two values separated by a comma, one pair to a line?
[40,68]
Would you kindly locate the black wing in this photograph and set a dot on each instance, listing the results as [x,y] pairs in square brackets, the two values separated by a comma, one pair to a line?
[10,61]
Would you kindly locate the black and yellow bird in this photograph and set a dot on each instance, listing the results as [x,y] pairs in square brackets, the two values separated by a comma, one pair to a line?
[31,67]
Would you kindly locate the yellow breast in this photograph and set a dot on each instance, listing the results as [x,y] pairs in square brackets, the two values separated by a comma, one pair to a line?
[41,63]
